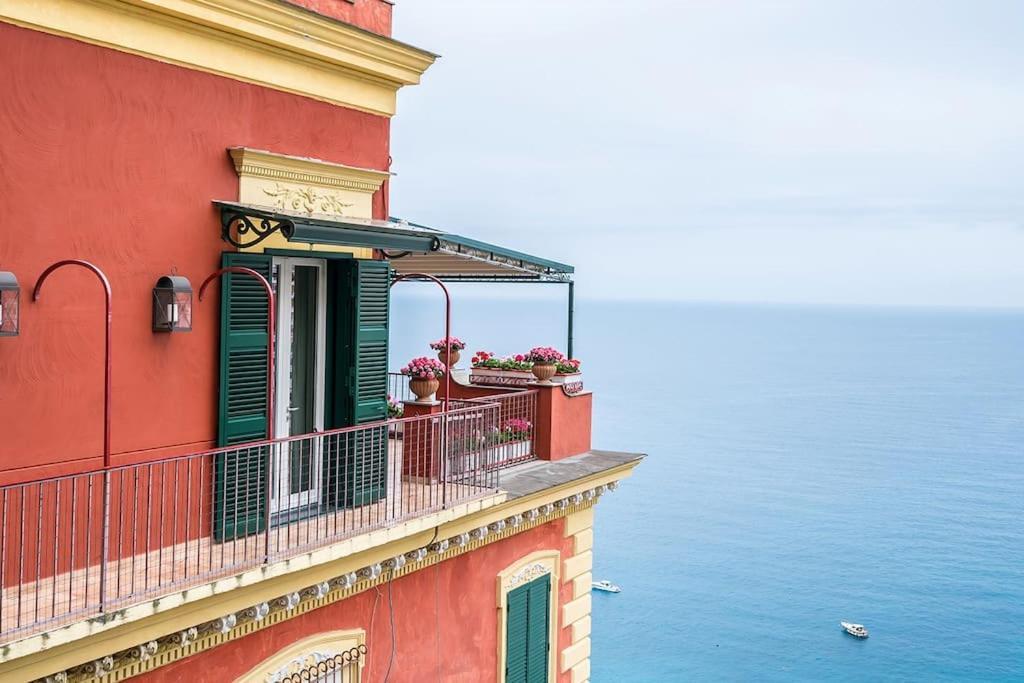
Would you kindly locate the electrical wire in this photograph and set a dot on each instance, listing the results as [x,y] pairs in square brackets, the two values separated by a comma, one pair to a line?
[373,616]
[391,610]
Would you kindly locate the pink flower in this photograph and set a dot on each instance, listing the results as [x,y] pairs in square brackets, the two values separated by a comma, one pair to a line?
[424,368]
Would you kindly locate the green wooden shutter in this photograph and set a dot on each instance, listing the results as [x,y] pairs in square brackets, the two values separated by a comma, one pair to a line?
[526,632]
[516,634]
[240,476]
[537,630]
[370,372]
[355,469]
[370,381]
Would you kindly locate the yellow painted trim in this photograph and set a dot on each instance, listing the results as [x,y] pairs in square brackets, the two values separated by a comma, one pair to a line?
[576,653]
[581,521]
[576,609]
[65,647]
[305,185]
[580,628]
[578,564]
[267,42]
[259,163]
[581,672]
[334,641]
[548,560]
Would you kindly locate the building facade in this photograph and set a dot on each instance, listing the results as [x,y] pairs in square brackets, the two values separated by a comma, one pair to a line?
[199,473]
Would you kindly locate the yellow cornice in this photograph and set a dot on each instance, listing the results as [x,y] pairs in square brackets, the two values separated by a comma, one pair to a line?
[261,164]
[163,620]
[267,42]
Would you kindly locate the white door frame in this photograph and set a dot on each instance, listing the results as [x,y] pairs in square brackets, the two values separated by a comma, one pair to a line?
[281,499]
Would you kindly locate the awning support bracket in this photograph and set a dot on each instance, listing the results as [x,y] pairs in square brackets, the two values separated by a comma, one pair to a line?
[237,226]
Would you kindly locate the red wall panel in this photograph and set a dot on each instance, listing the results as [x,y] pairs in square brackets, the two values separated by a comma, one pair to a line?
[115,159]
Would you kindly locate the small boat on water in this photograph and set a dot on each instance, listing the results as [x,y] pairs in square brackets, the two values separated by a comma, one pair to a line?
[856,630]
[606,586]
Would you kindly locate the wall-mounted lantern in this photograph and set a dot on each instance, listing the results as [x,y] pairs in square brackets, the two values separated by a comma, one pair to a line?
[172,304]
[10,292]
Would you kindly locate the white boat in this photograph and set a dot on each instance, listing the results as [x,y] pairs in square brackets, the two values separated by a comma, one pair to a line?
[606,586]
[857,630]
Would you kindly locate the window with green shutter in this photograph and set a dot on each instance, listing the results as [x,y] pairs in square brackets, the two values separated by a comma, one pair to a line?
[240,476]
[527,614]
[354,466]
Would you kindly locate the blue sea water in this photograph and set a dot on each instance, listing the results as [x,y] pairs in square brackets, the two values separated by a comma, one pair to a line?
[806,465]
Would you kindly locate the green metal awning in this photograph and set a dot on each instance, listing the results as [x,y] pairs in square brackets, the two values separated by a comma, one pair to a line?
[411,248]
[459,258]
[245,225]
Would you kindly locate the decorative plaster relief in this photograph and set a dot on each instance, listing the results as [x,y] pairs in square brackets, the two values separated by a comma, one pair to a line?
[306,200]
[528,574]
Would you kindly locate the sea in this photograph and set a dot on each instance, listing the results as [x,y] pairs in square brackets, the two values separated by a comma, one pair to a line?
[805,465]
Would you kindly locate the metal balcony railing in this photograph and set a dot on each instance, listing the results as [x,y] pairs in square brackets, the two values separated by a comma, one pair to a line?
[511,440]
[79,545]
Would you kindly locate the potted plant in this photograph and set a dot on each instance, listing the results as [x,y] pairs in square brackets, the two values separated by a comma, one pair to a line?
[513,439]
[489,369]
[441,347]
[567,373]
[545,363]
[395,409]
[424,375]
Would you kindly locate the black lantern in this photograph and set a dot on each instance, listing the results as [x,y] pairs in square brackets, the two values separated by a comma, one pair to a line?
[172,304]
[10,292]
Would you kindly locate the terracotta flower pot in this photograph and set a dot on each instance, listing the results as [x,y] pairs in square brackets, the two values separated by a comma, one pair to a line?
[544,372]
[424,388]
[450,361]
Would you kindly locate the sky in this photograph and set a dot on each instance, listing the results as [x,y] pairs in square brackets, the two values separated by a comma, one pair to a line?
[856,153]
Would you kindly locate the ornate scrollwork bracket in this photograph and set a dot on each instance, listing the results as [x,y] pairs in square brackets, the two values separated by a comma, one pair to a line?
[241,230]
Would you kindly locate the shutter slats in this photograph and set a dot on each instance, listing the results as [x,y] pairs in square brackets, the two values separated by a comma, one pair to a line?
[526,627]
[356,464]
[240,476]
[537,630]
[516,630]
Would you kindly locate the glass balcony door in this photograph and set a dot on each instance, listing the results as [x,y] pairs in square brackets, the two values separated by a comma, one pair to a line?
[302,318]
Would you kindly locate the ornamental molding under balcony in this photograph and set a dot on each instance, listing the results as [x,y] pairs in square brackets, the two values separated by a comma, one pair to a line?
[107,667]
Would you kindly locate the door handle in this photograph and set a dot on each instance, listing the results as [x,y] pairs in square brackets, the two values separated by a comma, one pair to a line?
[292,409]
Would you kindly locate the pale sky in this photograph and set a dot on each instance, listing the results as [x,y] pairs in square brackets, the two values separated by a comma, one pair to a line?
[852,152]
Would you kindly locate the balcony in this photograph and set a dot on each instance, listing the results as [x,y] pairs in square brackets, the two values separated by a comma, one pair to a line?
[78,546]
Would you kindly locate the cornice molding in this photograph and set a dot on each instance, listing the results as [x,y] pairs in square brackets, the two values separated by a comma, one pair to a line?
[262,164]
[267,42]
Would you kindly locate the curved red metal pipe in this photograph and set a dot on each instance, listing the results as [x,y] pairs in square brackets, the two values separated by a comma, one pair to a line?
[271,314]
[106,353]
[447,326]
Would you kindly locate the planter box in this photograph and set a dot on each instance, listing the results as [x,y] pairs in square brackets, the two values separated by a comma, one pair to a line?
[571,384]
[509,451]
[490,457]
[500,377]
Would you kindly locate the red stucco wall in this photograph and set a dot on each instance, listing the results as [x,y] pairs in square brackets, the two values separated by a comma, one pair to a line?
[563,423]
[445,616]
[115,158]
[372,15]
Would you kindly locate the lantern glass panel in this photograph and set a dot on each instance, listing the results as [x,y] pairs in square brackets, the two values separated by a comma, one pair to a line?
[172,305]
[183,313]
[9,312]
